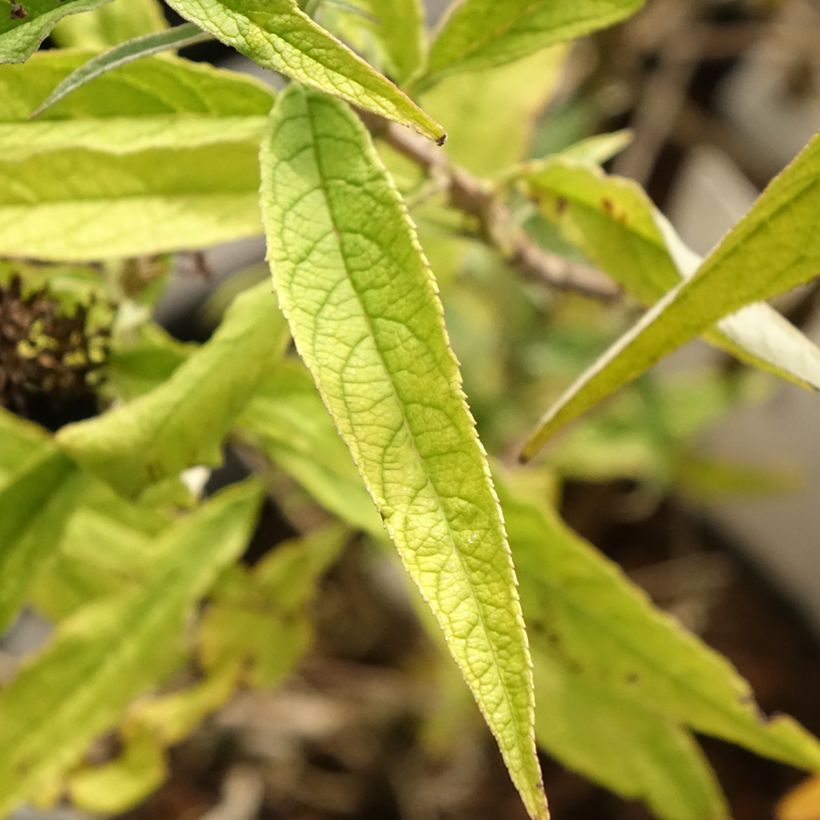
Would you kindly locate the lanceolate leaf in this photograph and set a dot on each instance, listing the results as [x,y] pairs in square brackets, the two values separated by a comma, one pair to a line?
[23,26]
[278,35]
[773,249]
[363,310]
[617,742]
[485,33]
[582,611]
[182,422]
[615,224]
[110,652]
[147,105]
[35,503]
[136,49]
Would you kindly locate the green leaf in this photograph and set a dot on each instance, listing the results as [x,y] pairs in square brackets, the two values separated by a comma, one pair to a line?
[582,611]
[364,313]
[500,105]
[259,620]
[182,422]
[770,251]
[81,571]
[288,422]
[171,718]
[278,35]
[147,105]
[478,34]
[21,441]
[110,652]
[615,224]
[110,24]
[399,28]
[35,503]
[615,741]
[124,782]
[122,54]
[79,205]
[21,33]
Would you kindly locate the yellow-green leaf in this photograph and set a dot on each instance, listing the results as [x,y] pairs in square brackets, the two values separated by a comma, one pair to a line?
[182,422]
[277,34]
[771,250]
[615,224]
[582,611]
[485,33]
[35,503]
[364,313]
[100,659]
[617,742]
[259,620]
[146,105]
[288,422]
[122,783]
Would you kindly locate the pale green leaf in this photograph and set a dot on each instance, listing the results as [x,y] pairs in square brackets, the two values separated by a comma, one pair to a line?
[395,27]
[110,24]
[617,742]
[363,309]
[582,610]
[21,441]
[171,718]
[147,105]
[288,422]
[491,114]
[82,571]
[21,33]
[122,783]
[110,652]
[182,422]
[773,249]
[80,205]
[122,54]
[259,620]
[278,35]
[35,503]
[615,224]
[479,34]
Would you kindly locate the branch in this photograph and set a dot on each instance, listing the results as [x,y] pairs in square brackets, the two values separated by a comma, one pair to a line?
[496,224]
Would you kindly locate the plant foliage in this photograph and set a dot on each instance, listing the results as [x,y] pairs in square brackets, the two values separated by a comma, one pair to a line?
[113,156]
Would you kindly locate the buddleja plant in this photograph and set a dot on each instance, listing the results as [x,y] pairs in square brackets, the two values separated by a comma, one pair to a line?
[111,151]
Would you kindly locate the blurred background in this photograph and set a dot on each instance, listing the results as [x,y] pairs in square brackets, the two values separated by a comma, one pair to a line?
[702,481]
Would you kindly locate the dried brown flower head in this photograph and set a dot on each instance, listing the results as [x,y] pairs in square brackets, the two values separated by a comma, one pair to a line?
[50,360]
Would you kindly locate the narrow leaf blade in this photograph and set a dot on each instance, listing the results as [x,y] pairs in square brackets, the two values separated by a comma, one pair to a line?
[583,611]
[177,37]
[278,35]
[485,33]
[182,422]
[615,224]
[112,651]
[364,313]
[773,249]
